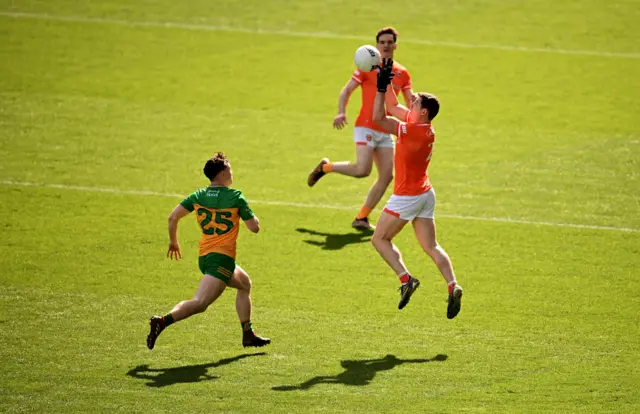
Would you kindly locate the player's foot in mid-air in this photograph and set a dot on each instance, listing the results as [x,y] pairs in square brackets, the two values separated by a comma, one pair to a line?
[455,302]
[157,325]
[317,173]
[250,339]
[362,224]
[407,290]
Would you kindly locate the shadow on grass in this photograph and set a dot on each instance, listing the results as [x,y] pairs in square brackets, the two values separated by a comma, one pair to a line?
[336,241]
[161,377]
[359,372]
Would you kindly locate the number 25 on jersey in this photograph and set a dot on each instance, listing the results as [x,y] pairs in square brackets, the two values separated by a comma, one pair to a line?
[224,225]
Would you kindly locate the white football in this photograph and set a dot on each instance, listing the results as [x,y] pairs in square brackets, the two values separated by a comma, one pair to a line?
[367,58]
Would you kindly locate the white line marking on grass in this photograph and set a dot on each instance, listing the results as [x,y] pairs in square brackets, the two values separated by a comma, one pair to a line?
[321,35]
[305,205]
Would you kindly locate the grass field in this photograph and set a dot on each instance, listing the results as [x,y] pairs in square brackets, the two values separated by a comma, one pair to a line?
[108,110]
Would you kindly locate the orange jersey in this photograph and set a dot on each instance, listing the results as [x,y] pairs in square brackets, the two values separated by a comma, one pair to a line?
[413,154]
[368,80]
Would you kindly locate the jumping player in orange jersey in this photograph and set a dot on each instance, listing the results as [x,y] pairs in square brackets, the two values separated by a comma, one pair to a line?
[218,211]
[413,198]
[373,144]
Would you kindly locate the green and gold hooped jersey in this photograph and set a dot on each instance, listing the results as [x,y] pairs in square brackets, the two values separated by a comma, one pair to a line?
[218,211]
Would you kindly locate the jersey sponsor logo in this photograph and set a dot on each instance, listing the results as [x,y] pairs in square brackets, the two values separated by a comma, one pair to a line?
[404,129]
[213,193]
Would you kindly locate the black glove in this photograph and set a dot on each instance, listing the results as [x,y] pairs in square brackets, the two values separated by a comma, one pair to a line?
[385,75]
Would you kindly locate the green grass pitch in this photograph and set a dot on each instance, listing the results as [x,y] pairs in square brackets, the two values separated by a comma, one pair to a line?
[109,108]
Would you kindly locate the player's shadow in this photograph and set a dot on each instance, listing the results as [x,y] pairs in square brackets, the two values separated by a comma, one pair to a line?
[358,372]
[161,377]
[334,241]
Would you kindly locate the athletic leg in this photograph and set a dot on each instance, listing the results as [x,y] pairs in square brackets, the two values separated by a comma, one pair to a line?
[361,168]
[426,233]
[383,159]
[241,281]
[388,227]
[425,229]
[209,289]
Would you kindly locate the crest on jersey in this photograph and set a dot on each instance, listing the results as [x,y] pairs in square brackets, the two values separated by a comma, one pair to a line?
[369,137]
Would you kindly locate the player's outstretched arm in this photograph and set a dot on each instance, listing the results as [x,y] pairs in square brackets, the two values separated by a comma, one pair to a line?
[385,75]
[408,96]
[253,224]
[389,124]
[174,247]
[393,107]
[340,120]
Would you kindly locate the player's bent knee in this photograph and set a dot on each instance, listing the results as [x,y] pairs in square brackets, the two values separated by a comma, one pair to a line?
[205,306]
[378,240]
[241,282]
[201,306]
[433,251]
[362,171]
[246,285]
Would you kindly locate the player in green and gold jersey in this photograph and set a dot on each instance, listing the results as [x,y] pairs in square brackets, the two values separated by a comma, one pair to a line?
[218,211]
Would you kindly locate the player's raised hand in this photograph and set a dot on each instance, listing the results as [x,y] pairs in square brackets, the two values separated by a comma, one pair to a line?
[174,251]
[340,121]
[385,74]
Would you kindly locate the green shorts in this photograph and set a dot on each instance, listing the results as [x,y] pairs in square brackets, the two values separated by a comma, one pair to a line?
[217,265]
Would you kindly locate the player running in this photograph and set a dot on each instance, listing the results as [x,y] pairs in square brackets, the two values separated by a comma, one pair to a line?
[413,197]
[373,143]
[218,211]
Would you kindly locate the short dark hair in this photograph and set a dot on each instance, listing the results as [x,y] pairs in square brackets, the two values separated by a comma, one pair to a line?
[215,165]
[430,103]
[387,30]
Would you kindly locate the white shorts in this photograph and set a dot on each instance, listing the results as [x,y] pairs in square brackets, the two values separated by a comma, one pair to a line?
[410,207]
[372,138]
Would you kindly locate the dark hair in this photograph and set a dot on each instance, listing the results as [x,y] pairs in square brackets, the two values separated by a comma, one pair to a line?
[430,103]
[387,30]
[215,165]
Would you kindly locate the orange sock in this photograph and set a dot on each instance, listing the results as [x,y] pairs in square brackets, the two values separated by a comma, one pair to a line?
[364,212]
[327,168]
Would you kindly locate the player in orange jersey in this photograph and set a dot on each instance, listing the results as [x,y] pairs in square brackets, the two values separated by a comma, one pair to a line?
[373,144]
[413,198]
[218,211]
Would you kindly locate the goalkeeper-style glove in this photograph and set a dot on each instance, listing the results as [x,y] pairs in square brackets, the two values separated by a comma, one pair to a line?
[385,75]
